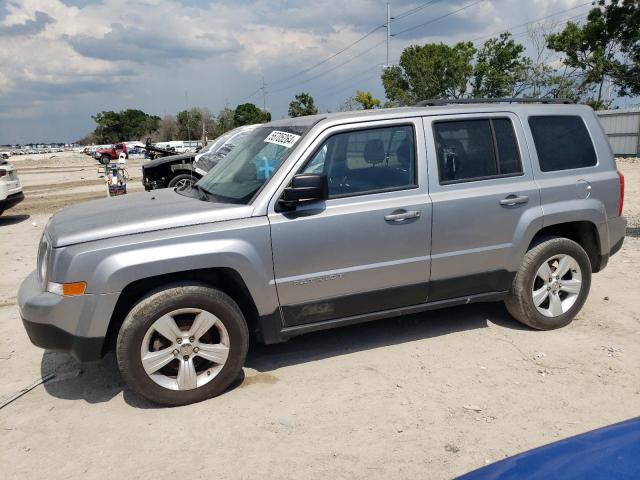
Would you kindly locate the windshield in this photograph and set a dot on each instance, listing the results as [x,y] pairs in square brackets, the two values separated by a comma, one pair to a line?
[217,150]
[239,176]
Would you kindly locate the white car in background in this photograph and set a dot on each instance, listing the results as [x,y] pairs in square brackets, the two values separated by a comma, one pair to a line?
[10,187]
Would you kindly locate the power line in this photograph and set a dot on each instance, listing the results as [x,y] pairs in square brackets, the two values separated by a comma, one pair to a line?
[531,21]
[325,72]
[437,18]
[580,16]
[350,81]
[301,72]
[415,10]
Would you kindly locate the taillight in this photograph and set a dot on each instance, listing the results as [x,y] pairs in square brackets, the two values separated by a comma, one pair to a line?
[621,201]
[3,173]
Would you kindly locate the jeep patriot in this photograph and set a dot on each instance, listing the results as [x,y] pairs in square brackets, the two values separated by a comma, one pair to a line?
[328,220]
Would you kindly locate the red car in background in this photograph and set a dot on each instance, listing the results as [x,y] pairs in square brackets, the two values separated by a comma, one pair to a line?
[106,155]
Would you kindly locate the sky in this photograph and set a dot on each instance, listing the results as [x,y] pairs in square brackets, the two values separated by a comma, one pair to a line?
[62,61]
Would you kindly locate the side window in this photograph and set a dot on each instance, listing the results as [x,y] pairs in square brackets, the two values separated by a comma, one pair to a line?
[562,142]
[367,161]
[476,149]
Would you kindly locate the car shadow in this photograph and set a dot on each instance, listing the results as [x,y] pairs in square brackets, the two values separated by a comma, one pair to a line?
[6,220]
[366,336]
[633,232]
[100,382]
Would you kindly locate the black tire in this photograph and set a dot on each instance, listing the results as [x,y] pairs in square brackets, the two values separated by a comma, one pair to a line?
[182,177]
[160,302]
[520,303]
[105,159]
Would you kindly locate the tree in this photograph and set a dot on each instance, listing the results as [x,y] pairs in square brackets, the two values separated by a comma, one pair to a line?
[167,129]
[124,125]
[607,46]
[366,100]
[301,105]
[248,113]
[224,122]
[429,71]
[194,124]
[501,68]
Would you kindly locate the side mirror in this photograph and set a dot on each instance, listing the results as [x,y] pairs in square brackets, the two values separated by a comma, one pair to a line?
[305,187]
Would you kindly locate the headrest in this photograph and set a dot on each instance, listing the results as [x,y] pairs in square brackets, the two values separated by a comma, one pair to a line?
[374,151]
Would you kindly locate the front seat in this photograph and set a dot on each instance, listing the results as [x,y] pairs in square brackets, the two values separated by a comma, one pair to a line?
[374,153]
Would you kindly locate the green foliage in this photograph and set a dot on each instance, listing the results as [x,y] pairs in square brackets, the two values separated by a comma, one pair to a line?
[607,46]
[501,68]
[429,71]
[302,105]
[224,122]
[125,125]
[366,100]
[194,124]
[248,113]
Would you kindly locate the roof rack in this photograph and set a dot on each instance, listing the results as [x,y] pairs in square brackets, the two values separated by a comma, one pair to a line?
[437,102]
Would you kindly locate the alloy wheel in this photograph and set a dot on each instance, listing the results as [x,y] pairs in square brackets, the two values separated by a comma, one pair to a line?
[185,349]
[557,285]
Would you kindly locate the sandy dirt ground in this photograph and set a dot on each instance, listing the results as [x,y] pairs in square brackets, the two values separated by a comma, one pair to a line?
[432,395]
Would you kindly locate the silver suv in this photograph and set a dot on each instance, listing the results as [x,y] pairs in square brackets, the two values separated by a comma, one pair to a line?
[330,220]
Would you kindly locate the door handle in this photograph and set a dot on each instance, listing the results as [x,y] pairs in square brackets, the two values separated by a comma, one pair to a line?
[513,200]
[402,215]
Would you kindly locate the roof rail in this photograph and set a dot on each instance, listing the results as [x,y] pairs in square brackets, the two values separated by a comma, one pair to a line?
[437,102]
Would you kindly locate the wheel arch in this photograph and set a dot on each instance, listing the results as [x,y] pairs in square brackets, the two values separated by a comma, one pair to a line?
[583,232]
[224,279]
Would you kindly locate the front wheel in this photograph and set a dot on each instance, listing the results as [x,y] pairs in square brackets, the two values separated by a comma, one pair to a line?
[181,181]
[551,285]
[182,344]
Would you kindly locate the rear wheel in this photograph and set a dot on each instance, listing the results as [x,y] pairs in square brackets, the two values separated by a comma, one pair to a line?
[105,159]
[551,285]
[183,180]
[182,344]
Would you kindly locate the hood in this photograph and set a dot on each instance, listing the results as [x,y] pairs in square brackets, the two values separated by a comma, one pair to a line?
[169,159]
[136,213]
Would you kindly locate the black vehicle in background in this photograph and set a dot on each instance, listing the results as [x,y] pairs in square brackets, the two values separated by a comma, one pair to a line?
[169,170]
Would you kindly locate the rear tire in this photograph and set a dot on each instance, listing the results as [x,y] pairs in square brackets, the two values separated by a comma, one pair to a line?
[543,295]
[193,374]
[105,159]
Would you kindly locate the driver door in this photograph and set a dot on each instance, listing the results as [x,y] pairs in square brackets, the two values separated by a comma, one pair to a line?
[366,248]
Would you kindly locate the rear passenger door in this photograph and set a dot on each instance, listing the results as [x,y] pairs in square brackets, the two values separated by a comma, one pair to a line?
[484,196]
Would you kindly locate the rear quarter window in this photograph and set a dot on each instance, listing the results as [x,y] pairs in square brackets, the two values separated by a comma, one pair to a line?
[562,142]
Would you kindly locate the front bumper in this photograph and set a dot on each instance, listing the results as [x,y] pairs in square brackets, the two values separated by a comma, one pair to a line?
[11,201]
[53,321]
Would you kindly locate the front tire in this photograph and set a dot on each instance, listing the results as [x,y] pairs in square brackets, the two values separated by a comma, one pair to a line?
[551,285]
[183,180]
[182,344]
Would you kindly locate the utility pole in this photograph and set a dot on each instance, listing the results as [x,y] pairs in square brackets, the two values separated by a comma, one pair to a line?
[388,32]
[264,95]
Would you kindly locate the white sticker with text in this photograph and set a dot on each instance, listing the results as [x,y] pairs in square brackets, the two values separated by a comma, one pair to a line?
[282,138]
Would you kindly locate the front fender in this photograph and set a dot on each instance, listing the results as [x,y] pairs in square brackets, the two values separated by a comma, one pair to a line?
[108,266]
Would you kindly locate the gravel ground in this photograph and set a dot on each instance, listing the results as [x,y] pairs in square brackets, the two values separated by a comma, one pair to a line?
[425,396]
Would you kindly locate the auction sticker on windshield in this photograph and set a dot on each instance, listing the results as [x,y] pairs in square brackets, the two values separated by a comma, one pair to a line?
[285,139]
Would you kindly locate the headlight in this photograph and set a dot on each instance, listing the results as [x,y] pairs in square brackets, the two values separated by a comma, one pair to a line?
[43,260]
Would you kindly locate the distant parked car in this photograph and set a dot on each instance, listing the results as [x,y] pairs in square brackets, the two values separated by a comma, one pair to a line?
[106,155]
[187,168]
[611,452]
[10,188]
[5,155]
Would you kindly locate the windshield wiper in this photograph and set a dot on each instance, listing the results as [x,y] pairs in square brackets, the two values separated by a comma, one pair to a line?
[202,193]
